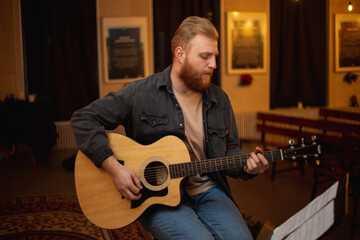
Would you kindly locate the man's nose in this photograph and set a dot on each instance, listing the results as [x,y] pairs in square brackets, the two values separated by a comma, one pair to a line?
[212,63]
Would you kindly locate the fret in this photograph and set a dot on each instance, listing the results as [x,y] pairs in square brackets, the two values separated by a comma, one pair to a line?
[213,168]
[178,170]
[202,169]
[173,172]
[192,172]
[187,169]
[232,162]
[227,164]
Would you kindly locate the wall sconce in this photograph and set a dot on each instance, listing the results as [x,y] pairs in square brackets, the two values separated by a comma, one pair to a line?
[350,7]
[350,77]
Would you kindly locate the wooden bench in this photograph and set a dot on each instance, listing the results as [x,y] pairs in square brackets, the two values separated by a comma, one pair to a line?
[337,114]
[352,153]
[334,136]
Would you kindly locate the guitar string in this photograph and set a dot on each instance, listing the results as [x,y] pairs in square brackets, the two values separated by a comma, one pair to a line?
[153,172]
[197,167]
[214,163]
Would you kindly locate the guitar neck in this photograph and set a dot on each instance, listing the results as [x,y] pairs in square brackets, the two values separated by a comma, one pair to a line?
[217,164]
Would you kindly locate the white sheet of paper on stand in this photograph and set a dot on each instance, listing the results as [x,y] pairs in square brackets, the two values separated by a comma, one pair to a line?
[319,206]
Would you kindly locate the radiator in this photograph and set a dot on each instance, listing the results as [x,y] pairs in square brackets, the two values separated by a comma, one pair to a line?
[246,124]
[66,138]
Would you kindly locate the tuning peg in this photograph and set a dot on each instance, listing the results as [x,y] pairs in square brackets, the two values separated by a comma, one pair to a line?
[291,142]
[313,138]
[316,155]
[305,157]
[302,142]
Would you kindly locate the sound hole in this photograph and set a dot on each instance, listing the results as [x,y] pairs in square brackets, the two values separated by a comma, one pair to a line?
[156,173]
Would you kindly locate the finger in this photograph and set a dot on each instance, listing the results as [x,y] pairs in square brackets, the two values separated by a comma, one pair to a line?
[255,158]
[134,189]
[258,149]
[251,163]
[136,180]
[262,159]
[131,196]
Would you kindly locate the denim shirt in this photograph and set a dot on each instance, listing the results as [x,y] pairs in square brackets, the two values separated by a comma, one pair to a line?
[148,110]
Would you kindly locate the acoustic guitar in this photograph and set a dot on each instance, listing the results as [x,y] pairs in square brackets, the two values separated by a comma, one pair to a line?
[160,166]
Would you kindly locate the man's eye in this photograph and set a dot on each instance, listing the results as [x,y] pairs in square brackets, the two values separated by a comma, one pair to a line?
[204,56]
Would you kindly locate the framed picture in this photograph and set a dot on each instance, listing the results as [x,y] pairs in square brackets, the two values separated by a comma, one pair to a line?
[246,42]
[347,42]
[125,49]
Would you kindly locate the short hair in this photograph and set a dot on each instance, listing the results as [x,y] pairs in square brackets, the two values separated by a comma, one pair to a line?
[191,27]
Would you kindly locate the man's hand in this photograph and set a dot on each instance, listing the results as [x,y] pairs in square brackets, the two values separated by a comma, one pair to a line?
[125,180]
[256,163]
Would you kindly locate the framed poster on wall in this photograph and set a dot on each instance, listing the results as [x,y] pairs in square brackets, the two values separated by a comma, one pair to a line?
[246,42]
[347,42]
[125,49]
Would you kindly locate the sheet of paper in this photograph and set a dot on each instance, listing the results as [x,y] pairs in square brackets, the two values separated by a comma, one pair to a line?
[306,213]
[316,226]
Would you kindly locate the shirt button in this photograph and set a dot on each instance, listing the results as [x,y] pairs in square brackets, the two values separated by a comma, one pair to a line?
[181,124]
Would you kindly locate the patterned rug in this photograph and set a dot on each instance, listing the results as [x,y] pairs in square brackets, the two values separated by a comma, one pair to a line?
[55,217]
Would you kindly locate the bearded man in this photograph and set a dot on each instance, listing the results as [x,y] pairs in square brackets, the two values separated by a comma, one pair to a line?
[179,101]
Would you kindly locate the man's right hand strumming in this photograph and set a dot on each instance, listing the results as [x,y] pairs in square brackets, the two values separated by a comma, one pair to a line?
[125,180]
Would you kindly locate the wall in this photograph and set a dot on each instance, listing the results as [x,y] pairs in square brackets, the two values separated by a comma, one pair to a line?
[11,67]
[257,95]
[244,99]
[123,8]
[340,91]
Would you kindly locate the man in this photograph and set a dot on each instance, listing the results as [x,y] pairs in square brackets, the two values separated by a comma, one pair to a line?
[179,101]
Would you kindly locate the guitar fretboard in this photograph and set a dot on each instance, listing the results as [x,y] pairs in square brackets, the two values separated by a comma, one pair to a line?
[217,164]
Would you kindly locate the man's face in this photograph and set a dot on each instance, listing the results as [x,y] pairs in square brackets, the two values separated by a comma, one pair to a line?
[199,63]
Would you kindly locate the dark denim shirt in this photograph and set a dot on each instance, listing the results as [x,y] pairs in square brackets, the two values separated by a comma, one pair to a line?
[148,110]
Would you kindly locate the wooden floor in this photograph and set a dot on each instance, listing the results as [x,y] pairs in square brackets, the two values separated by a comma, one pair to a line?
[260,198]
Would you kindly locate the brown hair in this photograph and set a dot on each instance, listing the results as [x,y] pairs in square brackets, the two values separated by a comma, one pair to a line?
[189,28]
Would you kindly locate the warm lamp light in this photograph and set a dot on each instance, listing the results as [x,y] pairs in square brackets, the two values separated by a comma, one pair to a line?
[350,7]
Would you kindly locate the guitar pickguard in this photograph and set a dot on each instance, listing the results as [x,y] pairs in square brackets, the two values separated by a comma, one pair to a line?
[145,194]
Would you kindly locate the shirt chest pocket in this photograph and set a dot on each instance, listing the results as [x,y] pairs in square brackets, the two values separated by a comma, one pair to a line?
[154,120]
[217,140]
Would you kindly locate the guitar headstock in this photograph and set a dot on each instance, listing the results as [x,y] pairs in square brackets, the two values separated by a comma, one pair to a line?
[302,150]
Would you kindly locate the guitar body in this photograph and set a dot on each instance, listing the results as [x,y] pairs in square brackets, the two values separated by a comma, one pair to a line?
[100,201]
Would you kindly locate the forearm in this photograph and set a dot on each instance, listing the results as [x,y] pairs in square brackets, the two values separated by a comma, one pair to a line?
[89,124]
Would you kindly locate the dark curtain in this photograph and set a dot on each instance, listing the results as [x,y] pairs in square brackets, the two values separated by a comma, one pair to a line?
[168,14]
[298,53]
[60,47]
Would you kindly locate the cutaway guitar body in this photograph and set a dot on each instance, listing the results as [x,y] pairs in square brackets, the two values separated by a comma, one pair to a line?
[100,201]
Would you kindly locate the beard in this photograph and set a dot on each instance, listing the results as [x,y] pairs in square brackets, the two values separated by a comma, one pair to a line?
[193,79]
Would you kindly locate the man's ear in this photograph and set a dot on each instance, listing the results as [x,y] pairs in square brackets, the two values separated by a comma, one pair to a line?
[179,54]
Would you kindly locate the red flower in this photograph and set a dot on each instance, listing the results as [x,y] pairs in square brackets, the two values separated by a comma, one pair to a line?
[246,79]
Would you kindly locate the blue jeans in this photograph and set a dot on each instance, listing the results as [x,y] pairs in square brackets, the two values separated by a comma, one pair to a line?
[214,216]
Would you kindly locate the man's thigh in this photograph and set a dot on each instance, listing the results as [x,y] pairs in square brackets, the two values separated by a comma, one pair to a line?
[181,222]
[221,216]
